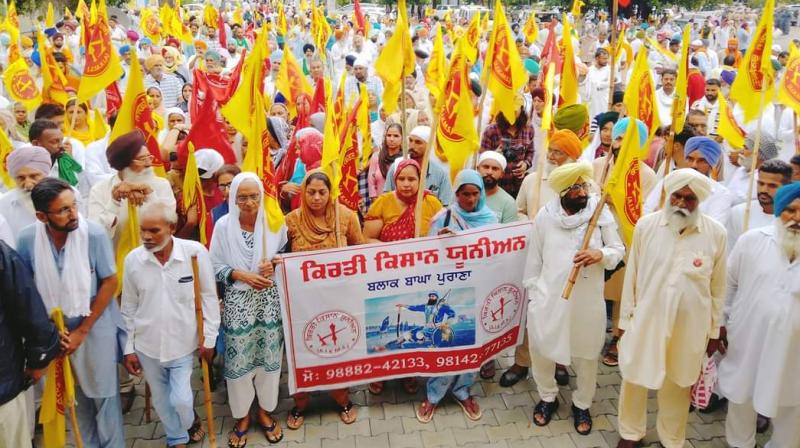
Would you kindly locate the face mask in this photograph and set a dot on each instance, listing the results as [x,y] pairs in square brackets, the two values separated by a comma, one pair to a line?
[726,91]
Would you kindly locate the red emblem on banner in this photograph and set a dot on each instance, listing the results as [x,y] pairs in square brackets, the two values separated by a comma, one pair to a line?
[24,86]
[331,334]
[633,193]
[500,308]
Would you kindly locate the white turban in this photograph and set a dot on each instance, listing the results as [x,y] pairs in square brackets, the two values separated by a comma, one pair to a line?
[210,161]
[421,132]
[687,177]
[361,61]
[493,155]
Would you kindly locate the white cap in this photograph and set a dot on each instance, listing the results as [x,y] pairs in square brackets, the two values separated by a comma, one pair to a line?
[361,61]
[421,132]
[493,155]
[210,161]
[697,43]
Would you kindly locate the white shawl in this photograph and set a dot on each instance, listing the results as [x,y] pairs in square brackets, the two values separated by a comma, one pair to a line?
[71,290]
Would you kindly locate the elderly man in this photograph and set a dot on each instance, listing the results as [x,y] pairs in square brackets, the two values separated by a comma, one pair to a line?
[361,76]
[74,269]
[575,118]
[560,331]
[762,312]
[169,84]
[437,181]
[701,154]
[158,305]
[772,174]
[134,182]
[739,180]
[672,302]
[491,165]
[27,166]
[646,174]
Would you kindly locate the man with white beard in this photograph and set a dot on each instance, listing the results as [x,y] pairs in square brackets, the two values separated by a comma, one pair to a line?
[134,182]
[672,301]
[27,166]
[738,181]
[665,95]
[763,329]
[560,331]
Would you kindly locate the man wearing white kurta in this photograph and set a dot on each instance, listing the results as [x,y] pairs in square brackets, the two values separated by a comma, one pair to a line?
[594,88]
[763,327]
[772,175]
[671,308]
[665,96]
[569,332]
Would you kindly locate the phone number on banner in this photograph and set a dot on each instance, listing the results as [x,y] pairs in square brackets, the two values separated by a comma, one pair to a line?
[427,363]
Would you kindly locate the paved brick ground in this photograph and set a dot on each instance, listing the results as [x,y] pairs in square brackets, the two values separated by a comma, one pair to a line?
[388,420]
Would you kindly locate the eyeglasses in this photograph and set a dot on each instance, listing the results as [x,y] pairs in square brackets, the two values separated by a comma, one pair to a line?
[64,211]
[577,187]
[145,158]
[224,186]
[249,198]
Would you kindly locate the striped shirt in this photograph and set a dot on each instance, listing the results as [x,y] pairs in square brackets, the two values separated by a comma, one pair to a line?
[170,86]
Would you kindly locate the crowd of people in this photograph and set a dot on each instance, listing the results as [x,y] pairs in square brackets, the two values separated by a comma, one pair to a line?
[712,270]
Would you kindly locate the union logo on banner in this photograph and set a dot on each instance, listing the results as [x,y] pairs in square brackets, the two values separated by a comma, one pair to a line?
[501,67]
[24,86]
[98,53]
[633,192]
[646,110]
[791,79]
[756,61]
[151,25]
[449,116]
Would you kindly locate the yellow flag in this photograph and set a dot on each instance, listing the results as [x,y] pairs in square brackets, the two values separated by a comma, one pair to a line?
[576,8]
[728,128]
[239,107]
[396,61]
[664,51]
[67,13]
[58,395]
[330,150]
[210,15]
[456,132]
[681,84]
[102,65]
[531,29]
[98,128]
[549,87]
[193,192]
[151,26]
[485,22]
[365,127]
[434,75]
[128,240]
[291,82]
[81,10]
[303,6]
[473,36]
[21,86]
[569,74]
[753,87]
[50,18]
[625,185]
[789,92]
[506,73]
[282,28]
[54,82]
[5,149]
[640,95]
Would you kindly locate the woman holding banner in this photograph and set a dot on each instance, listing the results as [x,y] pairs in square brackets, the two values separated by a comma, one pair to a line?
[241,250]
[392,218]
[314,226]
[468,210]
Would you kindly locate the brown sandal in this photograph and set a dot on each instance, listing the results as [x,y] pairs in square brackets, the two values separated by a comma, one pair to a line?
[241,436]
[425,411]
[611,358]
[376,388]
[471,408]
[295,419]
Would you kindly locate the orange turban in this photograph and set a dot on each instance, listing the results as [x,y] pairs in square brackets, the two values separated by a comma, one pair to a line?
[567,142]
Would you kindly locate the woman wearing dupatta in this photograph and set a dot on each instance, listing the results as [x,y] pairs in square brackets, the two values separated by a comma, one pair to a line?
[241,250]
[392,218]
[467,211]
[313,227]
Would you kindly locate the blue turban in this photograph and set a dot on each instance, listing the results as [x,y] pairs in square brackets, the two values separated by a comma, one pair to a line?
[785,196]
[622,125]
[710,149]
[532,67]
[276,56]
[125,49]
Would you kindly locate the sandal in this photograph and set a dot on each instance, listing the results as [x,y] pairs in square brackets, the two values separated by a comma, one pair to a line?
[470,408]
[581,417]
[410,385]
[295,419]
[425,411]
[488,370]
[196,432]
[347,413]
[241,436]
[270,430]
[561,375]
[611,358]
[545,410]
[376,388]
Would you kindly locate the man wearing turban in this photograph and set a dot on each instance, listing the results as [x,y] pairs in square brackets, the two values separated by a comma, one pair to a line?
[739,180]
[702,154]
[761,315]
[27,166]
[169,84]
[671,311]
[568,332]
[574,117]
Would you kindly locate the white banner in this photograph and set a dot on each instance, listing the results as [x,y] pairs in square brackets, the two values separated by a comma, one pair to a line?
[423,307]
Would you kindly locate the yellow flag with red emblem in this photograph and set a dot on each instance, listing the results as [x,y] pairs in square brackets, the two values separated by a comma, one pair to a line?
[291,82]
[753,88]
[789,92]
[640,95]
[505,71]
[54,82]
[569,74]
[5,149]
[58,395]
[435,73]
[624,185]
[151,26]
[531,29]
[21,86]
[102,65]
[473,35]
[456,132]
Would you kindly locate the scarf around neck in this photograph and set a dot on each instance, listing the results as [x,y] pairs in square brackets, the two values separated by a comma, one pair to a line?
[70,289]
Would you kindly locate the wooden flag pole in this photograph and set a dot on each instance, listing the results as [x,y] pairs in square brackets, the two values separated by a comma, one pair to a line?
[147,404]
[198,310]
[422,177]
[753,164]
[587,237]
[537,185]
[612,76]
[794,134]
[73,418]
[667,161]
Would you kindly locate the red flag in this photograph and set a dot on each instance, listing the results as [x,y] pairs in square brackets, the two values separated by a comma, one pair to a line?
[318,101]
[624,3]
[223,40]
[550,50]
[207,132]
[359,16]
[113,99]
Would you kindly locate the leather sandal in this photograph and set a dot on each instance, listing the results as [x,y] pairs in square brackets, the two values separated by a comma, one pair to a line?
[580,417]
[546,410]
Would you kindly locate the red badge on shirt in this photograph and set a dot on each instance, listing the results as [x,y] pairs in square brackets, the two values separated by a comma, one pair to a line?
[697,262]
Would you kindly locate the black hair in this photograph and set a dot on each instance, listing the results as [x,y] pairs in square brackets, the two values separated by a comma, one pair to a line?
[319,175]
[669,71]
[783,54]
[713,82]
[684,136]
[729,60]
[600,51]
[46,191]
[48,110]
[777,166]
[59,57]
[519,123]
[38,127]
[795,160]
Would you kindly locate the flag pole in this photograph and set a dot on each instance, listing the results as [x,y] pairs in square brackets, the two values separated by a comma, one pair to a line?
[73,418]
[753,163]
[198,311]
[422,178]
[794,134]
[147,404]
[667,160]
[587,237]
[612,75]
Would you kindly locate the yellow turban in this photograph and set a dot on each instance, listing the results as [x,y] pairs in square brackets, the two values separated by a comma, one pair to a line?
[152,60]
[567,142]
[688,177]
[568,174]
